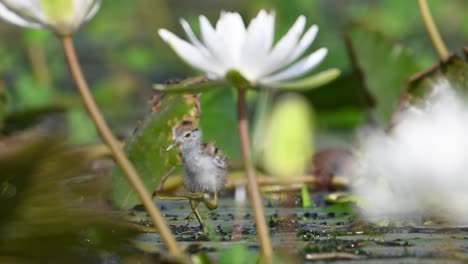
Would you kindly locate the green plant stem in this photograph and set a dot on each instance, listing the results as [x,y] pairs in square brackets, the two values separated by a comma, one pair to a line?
[252,184]
[432,29]
[116,149]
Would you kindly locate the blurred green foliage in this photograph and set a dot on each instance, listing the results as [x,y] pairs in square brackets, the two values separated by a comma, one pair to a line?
[50,199]
[52,204]
[122,55]
[238,254]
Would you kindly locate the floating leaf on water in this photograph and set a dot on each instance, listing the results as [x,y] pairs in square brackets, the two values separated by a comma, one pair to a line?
[453,69]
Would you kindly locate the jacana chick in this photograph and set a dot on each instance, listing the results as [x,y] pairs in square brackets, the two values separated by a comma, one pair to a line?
[205,165]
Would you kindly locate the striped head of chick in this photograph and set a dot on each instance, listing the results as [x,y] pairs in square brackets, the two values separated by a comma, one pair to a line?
[186,135]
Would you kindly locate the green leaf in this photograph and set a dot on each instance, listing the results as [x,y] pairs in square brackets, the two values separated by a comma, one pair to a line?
[309,83]
[191,85]
[219,121]
[383,68]
[453,70]
[344,92]
[146,148]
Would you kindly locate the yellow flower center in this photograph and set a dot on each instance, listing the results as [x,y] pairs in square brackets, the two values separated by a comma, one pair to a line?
[58,10]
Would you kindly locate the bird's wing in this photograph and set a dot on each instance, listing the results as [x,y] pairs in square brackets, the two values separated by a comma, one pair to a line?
[218,156]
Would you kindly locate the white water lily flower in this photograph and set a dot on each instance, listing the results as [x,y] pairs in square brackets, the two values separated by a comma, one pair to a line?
[63,17]
[250,51]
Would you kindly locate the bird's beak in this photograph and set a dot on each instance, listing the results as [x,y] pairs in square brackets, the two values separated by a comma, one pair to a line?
[173,145]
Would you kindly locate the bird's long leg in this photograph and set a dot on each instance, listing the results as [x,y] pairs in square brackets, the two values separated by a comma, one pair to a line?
[194,204]
[213,204]
[190,216]
[194,198]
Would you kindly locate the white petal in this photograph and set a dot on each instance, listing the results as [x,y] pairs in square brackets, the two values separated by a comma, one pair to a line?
[80,10]
[278,57]
[257,44]
[189,32]
[96,4]
[206,53]
[304,43]
[214,43]
[11,17]
[187,52]
[230,28]
[29,10]
[299,68]
[83,10]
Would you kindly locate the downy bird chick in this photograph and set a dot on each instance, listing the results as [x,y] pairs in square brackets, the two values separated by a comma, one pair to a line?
[205,165]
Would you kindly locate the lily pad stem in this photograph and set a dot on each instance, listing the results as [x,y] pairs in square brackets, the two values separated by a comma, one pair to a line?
[252,184]
[116,148]
[432,29]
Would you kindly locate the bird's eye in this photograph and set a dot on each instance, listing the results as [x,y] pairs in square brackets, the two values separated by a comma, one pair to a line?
[187,135]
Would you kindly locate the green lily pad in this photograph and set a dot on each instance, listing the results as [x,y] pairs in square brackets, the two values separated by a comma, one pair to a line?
[219,121]
[146,148]
[454,70]
[383,68]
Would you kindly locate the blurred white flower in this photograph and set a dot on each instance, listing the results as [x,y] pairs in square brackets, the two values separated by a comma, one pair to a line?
[250,51]
[421,168]
[63,17]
